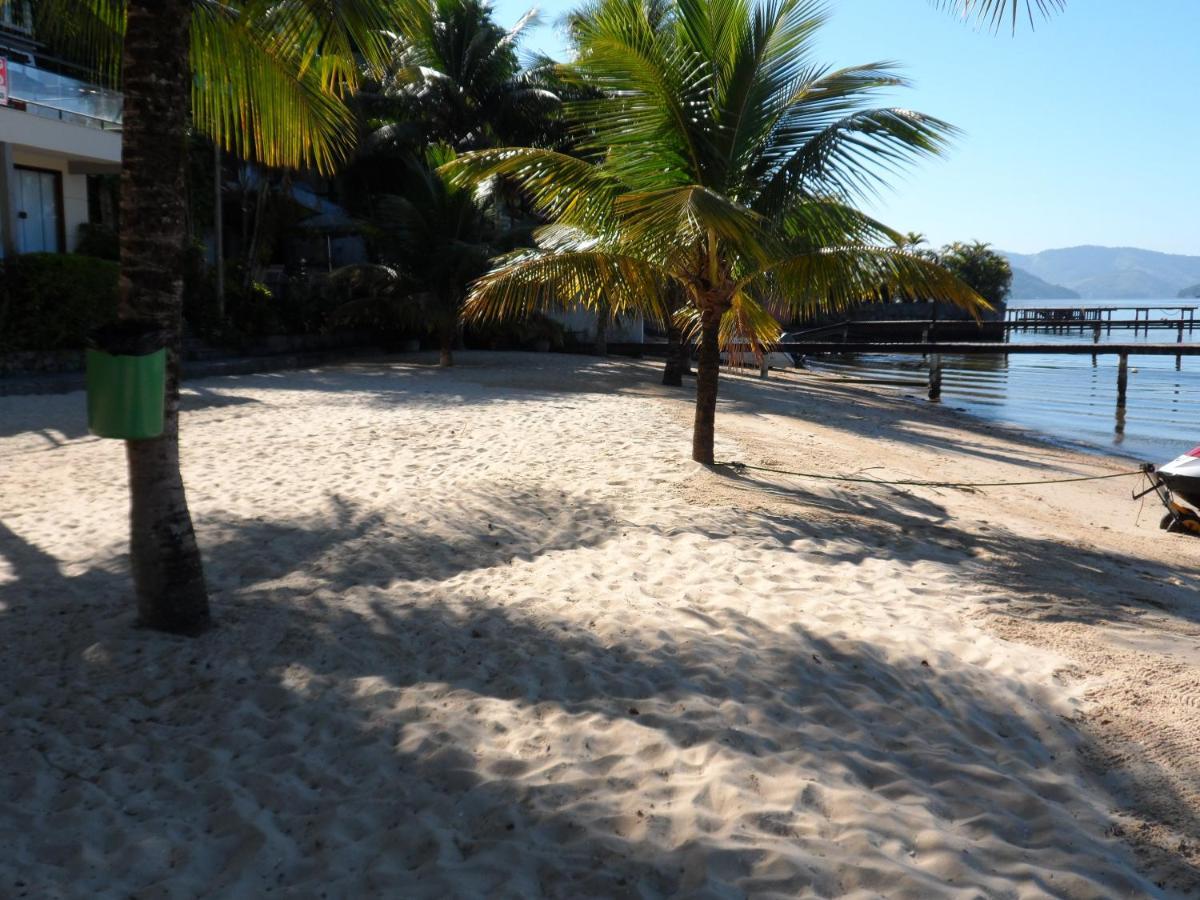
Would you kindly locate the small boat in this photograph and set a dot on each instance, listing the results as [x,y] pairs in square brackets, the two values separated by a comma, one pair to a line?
[1178,486]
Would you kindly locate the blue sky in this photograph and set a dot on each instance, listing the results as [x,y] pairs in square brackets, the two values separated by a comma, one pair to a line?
[1084,131]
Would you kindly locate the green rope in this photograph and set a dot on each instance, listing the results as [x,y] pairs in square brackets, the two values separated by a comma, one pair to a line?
[738,466]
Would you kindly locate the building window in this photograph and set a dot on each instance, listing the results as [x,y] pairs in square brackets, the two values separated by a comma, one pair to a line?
[39,210]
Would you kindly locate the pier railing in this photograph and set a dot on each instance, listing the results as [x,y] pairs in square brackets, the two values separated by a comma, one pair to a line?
[1070,318]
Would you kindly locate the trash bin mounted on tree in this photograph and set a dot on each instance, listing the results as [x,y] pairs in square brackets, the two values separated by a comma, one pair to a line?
[126,381]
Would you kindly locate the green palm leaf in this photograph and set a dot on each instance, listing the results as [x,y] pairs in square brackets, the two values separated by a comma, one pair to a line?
[270,75]
[832,279]
[531,281]
[562,188]
[261,103]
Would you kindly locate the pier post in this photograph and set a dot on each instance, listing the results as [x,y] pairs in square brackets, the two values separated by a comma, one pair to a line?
[1179,340]
[1122,379]
[935,376]
[1095,340]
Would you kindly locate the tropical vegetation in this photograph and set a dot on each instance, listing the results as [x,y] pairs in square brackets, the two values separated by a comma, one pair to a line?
[433,240]
[723,162]
[712,186]
[978,265]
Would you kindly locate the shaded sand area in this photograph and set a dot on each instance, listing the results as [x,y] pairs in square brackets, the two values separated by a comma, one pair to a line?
[487,633]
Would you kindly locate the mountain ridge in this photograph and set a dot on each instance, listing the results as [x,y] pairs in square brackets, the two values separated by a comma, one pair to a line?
[1094,271]
[1027,286]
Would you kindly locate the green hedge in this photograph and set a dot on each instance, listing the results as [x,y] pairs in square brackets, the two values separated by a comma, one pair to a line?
[50,301]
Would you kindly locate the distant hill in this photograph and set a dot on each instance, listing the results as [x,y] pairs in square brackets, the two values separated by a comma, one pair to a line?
[1027,286]
[1112,273]
[1189,293]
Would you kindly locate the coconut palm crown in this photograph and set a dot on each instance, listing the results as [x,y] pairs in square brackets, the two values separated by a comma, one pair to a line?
[724,160]
[456,76]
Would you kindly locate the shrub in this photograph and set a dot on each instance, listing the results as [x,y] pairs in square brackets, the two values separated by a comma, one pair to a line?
[51,301]
[96,240]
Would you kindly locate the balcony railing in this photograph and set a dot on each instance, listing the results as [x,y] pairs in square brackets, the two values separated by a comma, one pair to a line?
[61,97]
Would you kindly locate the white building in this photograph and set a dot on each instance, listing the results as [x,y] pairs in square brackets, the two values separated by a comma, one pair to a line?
[57,131]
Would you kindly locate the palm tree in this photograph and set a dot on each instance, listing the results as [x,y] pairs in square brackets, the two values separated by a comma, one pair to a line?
[722,162]
[453,76]
[434,240]
[265,80]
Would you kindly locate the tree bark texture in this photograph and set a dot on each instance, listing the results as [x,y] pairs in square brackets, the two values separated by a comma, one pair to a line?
[167,571]
[708,368]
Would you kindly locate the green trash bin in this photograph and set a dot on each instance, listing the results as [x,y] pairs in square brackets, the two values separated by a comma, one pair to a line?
[126,381]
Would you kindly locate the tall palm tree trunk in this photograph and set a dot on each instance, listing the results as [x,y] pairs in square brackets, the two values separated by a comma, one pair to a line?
[446,344]
[708,367]
[219,231]
[600,339]
[673,368]
[167,572]
[676,364]
[260,211]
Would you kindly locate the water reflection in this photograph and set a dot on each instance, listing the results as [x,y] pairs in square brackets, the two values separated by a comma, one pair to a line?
[1069,398]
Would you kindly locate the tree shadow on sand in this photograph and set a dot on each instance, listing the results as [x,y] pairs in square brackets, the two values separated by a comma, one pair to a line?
[1029,582]
[369,738]
[61,418]
[884,416]
[1043,578]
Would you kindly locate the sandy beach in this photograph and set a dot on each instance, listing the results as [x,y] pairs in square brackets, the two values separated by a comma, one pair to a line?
[488,632]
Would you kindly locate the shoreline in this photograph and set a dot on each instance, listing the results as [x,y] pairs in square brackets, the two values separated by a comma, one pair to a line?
[490,626]
[1017,430]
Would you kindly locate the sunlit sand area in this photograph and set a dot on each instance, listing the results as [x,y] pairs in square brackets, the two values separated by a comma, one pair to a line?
[484,632]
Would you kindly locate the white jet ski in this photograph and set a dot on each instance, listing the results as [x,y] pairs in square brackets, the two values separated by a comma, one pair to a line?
[1178,486]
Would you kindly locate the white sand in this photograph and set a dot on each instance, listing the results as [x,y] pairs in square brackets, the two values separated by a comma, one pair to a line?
[487,632]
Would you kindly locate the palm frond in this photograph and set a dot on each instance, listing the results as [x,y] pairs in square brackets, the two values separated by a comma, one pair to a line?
[675,219]
[832,279]
[531,281]
[650,121]
[824,222]
[748,322]
[87,30]
[994,13]
[762,60]
[338,33]
[563,188]
[258,98]
[824,139]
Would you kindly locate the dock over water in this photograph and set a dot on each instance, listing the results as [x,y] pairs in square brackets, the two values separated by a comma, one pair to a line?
[1068,318]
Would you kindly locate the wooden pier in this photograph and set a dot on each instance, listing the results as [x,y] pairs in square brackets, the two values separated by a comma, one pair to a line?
[1083,318]
[975,348]
[936,351]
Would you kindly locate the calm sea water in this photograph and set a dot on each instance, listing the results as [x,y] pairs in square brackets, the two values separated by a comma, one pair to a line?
[1066,398]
